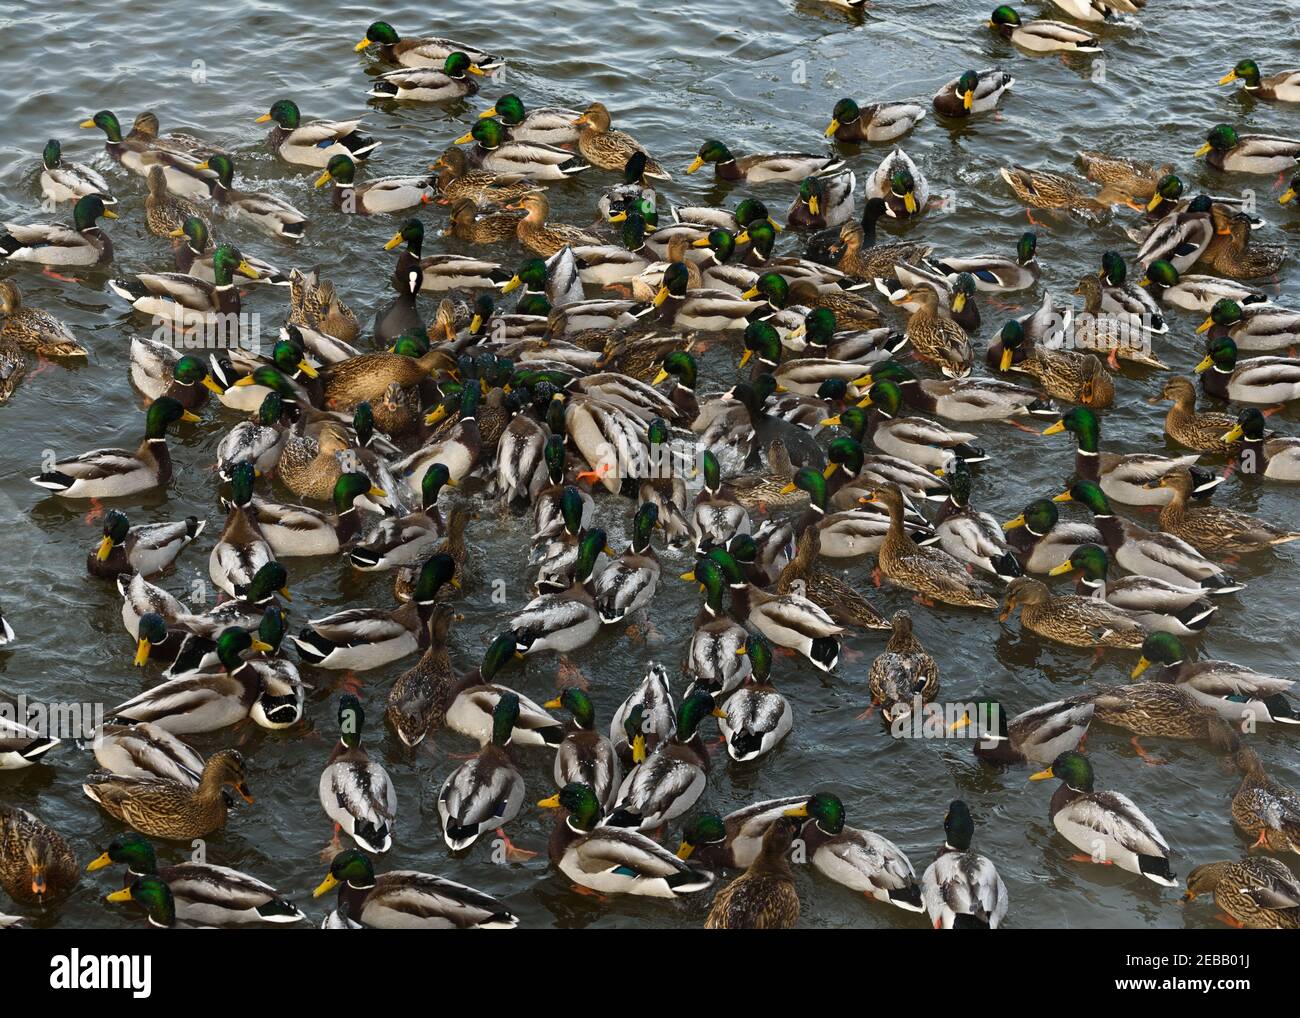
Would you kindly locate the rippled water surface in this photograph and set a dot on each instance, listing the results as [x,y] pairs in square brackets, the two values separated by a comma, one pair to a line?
[763,76]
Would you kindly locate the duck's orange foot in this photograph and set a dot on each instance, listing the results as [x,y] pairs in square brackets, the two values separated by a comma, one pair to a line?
[349,682]
[1023,427]
[866,714]
[333,848]
[513,852]
[1146,758]
[47,271]
[568,674]
[921,599]
[1227,920]
[96,510]
[587,892]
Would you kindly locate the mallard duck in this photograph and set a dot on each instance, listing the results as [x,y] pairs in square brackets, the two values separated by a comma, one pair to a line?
[585,756]
[439,273]
[550,125]
[54,244]
[1234,252]
[1181,236]
[456,179]
[159,369]
[961,889]
[610,150]
[733,842]
[1234,692]
[194,252]
[21,745]
[405,899]
[487,791]
[1127,478]
[1202,430]
[1257,327]
[646,717]
[1253,380]
[1042,189]
[1230,152]
[1270,456]
[1289,195]
[142,149]
[166,808]
[355,791]
[1195,292]
[382,194]
[823,202]
[1107,826]
[1037,735]
[241,550]
[937,339]
[1253,893]
[202,892]
[916,439]
[628,583]
[1264,807]
[1146,552]
[147,549]
[903,676]
[958,399]
[144,750]
[187,301]
[364,638]
[997,273]
[614,860]
[861,257]
[1098,10]
[268,213]
[165,212]
[1039,35]
[1068,375]
[1155,604]
[1139,184]
[761,169]
[972,537]
[33,329]
[841,600]
[874,122]
[900,184]
[862,861]
[112,473]
[1110,293]
[37,866]
[764,896]
[315,142]
[454,79]
[972,92]
[1212,529]
[1281,87]
[1071,619]
[671,779]
[405,540]
[419,51]
[65,180]
[569,619]
[512,161]
[544,238]
[931,573]
[755,717]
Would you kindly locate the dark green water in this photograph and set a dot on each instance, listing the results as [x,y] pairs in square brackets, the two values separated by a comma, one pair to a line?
[763,76]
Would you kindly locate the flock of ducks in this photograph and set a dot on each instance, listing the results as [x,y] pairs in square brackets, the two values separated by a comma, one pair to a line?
[579,402]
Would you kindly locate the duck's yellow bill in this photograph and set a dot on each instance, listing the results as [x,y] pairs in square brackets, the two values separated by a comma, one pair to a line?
[87,123]
[491,111]
[684,850]
[1012,524]
[1064,496]
[829,470]
[109,214]
[1042,775]
[1139,668]
[1203,149]
[1287,196]
[1205,364]
[788,488]
[797,811]
[513,283]
[834,126]
[123,895]
[397,239]
[661,296]
[968,98]
[1007,356]
[1229,77]
[830,422]
[700,242]
[909,203]
[464,139]
[960,723]
[550,803]
[813,205]
[141,652]
[1205,326]
[284,593]
[661,377]
[1156,199]
[105,548]
[750,294]
[261,646]
[638,748]
[322,180]
[744,357]
[263,118]
[1060,570]
[1234,435]
[688,577]
[328,884]
[1054,429]
[209,384]
[98,863]
[696,163]
[361,45]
